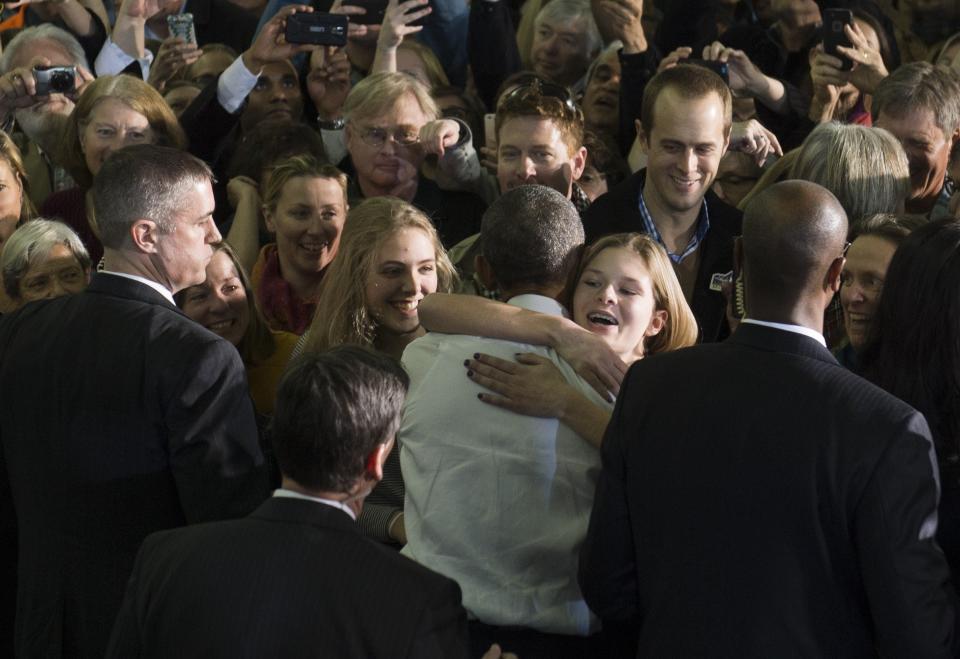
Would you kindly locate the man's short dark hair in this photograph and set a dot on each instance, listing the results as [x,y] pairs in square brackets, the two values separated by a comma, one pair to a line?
[143,182]
[690,82]
[332,410]
[531,235]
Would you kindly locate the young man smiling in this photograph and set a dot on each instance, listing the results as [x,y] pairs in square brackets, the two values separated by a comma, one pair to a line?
[686,118]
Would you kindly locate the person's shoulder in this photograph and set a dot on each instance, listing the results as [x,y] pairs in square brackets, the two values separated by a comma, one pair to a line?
[723,216]
[626,189]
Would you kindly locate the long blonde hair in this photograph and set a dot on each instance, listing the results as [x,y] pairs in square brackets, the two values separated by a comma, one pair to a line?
[680,330]
[341,315]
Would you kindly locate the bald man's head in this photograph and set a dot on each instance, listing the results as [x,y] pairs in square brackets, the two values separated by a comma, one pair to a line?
[794,233]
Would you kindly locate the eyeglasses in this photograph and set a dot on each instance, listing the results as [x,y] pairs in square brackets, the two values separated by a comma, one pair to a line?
[377,137]
[539,88]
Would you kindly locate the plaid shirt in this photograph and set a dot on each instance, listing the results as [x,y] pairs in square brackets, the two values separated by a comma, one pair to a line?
[703,225]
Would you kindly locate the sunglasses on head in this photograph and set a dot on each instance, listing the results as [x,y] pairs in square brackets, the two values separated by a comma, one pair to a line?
[538,87]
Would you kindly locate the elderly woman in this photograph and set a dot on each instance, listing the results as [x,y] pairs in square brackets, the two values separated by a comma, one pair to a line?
[865,168]
[43,259]
[867,171]
[113,112]
[392,126]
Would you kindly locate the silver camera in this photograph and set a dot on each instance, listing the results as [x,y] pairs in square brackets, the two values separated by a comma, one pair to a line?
[55,79]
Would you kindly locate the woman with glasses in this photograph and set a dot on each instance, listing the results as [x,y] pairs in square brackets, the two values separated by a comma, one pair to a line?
[392,127]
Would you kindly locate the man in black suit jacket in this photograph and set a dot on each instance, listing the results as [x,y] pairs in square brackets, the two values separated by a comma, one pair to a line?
[785,507]
[297,578]
[686,117]
[120,415]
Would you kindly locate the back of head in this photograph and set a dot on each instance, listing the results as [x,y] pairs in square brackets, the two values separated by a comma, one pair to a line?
[530,236]
[918,87]
[143,182]
[792,232]
[865,168]
[914,350]
[688,81]
[332,410]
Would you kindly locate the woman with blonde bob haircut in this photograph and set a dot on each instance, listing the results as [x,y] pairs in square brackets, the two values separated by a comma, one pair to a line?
[390,258]
[625,299]
[865,168]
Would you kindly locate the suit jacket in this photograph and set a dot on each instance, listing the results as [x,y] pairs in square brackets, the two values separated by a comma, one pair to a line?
[780,507]
[294,579]
[619,211]
[120,417]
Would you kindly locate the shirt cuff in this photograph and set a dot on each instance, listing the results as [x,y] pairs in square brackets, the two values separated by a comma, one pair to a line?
[112,60]
[234,85]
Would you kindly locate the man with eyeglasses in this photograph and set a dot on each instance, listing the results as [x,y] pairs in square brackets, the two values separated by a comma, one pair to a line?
[393,126]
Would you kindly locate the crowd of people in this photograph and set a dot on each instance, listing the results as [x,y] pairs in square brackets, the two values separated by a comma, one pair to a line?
[537,328]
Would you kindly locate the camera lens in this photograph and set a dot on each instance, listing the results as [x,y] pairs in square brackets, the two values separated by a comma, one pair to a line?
[61,81]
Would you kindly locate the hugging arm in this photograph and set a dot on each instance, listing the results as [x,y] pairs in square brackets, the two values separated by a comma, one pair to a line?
[589,355]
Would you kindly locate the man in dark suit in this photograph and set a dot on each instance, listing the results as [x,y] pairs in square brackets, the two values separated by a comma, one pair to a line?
[686,116]
[297,578]
[120,415]
[784,507]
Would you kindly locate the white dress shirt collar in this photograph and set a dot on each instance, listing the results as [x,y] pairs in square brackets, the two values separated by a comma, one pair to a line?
[290,494]
[162,290]
[540,303]
[796,329]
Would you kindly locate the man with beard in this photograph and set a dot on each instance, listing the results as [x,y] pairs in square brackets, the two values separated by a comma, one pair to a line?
[39,118]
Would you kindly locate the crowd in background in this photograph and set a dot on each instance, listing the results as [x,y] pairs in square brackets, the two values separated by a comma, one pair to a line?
[392,191]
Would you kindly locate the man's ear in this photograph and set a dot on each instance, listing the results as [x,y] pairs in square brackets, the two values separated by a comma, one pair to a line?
[834,273]
[641,133]
[578,163]
[484,272]
[374,466]
[145,234]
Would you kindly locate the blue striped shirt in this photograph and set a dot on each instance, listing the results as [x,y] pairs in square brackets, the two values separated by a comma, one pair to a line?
[703,225]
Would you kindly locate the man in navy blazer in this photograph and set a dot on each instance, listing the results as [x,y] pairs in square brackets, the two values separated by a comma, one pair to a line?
[120,415]
[780,506]
[297,578]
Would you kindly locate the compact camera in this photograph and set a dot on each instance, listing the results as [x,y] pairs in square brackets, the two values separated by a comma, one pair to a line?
[55,79]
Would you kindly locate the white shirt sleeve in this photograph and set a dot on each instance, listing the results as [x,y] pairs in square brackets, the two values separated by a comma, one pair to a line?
[112,60]
[234,85]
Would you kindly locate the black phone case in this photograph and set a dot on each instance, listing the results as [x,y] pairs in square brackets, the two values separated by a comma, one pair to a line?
[833,35]
[317,28]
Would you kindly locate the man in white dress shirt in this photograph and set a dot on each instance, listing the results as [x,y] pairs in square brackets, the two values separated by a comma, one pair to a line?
[497,501]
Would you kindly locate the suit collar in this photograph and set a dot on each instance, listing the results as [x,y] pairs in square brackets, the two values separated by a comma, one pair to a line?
[107,284]
[777,340]
[302,511]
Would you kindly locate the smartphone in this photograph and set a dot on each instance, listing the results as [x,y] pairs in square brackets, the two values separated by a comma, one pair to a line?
[181,25]
[834,20]
[720,68]
[490,130]
[317,28]
[375,12]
